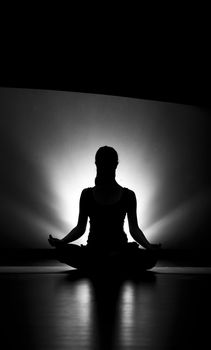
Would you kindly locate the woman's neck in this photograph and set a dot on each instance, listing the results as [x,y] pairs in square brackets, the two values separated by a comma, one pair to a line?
[103,181]
[105,177]
[107,192]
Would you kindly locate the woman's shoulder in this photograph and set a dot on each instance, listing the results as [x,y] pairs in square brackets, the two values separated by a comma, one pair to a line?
[86,195]
[86,190]
[129,192]
[129,195]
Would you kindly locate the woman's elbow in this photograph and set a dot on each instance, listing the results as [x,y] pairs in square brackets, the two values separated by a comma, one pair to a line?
[133,231]
[81,229]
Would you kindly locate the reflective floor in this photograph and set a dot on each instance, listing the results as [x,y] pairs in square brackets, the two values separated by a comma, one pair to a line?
[46,308]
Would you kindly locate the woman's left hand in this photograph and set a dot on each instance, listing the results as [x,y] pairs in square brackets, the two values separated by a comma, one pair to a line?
[54,242]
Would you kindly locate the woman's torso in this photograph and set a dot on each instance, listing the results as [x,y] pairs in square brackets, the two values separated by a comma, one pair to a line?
[107,208]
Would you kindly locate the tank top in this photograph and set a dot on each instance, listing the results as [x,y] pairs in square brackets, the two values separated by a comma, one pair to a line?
[107,221]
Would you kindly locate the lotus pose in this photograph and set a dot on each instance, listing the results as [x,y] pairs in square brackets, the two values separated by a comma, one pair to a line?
[106,205]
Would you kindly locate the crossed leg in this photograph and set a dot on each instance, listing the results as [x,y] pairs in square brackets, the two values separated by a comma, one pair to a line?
[131,258]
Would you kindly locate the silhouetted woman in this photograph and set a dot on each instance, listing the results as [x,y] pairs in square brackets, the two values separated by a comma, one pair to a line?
[106,205]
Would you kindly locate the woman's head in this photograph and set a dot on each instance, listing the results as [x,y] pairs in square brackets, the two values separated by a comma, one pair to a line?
[106,157]
[106,160]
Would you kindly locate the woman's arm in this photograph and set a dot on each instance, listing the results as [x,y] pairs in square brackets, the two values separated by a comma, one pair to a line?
[77,231]
[135,231]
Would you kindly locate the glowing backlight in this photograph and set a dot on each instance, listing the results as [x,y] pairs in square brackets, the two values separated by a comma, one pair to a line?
[69,179]
[49,143]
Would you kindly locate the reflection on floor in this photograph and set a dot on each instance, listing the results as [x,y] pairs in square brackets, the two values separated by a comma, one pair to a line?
[56,307]
[66,269]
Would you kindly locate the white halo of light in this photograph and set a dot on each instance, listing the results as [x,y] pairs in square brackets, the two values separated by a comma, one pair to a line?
[68,179]
[52,138]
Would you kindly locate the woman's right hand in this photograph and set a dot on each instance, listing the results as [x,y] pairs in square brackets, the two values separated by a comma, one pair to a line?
[155,246]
